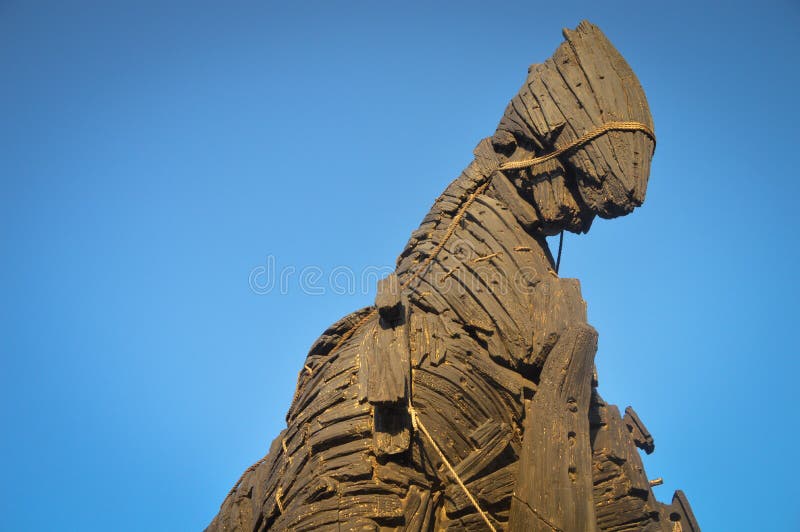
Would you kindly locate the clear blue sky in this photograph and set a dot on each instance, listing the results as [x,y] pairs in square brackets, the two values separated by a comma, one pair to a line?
[152,155]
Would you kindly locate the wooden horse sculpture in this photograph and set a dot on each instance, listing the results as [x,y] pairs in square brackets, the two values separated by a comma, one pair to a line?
[465,398]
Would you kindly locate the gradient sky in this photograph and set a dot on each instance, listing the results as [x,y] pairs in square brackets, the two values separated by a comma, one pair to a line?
[154,155]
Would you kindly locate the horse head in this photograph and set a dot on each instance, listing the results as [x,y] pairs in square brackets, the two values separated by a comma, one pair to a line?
[577,140]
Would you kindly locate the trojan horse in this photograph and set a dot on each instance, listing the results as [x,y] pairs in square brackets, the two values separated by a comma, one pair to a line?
[465,398]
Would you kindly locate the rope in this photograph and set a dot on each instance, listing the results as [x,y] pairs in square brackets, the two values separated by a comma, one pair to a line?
[560,247]
[417,423]
[508,165]
[450,230]
[580,141]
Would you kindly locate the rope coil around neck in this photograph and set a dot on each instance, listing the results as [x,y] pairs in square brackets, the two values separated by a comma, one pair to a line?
[580,141]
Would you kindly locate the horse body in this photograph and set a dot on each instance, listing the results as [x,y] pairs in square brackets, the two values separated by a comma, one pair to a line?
[464,399]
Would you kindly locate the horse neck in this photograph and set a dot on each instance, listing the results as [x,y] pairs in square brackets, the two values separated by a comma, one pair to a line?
[473,264]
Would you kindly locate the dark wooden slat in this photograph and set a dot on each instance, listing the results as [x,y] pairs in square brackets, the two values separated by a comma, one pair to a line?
[387,300]
[554,483]
[639,433]
[385,363]
[391,429]
[678,515]
[622,494]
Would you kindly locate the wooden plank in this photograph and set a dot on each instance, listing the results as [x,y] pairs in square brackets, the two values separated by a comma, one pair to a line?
[622,494]
[678,516]
[556,303]
[494,489]
[554,482]
[385,365]
[388,301]
[523,211]
[391,429]
[639,434]
[420,507]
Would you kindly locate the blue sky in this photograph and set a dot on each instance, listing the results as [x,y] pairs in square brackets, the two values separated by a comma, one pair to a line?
[154,155]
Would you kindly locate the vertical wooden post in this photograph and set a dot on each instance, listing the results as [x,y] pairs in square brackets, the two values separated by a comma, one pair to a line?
[554,481]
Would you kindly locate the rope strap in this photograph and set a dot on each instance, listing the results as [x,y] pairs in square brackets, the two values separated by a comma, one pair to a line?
[417,423]
[580,141]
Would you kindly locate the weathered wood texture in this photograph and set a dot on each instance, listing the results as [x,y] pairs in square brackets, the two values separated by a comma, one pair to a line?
[622,494]
[555,492]
[639,433]
[475,338]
